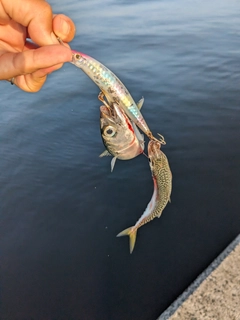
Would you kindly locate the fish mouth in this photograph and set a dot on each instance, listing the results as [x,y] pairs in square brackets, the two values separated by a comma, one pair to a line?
[154,149]
[106,116]
[105,111]
[112,115]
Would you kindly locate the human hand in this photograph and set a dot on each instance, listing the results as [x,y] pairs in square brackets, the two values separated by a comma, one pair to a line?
[29,62]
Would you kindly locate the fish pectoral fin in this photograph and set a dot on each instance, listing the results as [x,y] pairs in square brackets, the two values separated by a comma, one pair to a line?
[113,163]
[132,233]
[140,103]
[105,154]
[169,200]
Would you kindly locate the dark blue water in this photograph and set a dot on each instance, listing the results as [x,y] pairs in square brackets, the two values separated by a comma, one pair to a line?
[61,208]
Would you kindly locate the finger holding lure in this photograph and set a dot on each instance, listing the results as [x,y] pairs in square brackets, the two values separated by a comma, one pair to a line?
[162,181]
[113,89]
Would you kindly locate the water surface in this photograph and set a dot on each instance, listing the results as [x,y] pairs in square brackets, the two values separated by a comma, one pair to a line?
[61,208]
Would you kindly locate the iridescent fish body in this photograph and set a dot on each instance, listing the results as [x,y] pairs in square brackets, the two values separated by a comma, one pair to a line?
[112,88]
[162,181]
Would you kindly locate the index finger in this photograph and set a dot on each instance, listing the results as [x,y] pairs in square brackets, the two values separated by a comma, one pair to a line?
[36,15]
[27,62]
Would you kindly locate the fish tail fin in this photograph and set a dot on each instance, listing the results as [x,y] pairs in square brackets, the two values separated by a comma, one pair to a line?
[132,233]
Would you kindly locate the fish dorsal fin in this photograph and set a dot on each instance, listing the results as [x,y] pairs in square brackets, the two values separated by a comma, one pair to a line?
[113,163]
[105,154]
[140,103]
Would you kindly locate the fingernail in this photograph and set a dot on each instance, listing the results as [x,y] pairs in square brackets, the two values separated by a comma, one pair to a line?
[65,27]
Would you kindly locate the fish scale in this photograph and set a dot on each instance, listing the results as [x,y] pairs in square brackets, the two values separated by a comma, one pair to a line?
[162,180]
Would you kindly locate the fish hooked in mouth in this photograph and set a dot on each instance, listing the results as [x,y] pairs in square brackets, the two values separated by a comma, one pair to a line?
[120,135]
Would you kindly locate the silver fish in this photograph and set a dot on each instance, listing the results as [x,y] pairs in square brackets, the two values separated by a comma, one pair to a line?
[162,181]
[120,135]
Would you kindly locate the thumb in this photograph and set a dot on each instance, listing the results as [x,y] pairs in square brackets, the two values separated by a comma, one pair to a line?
[35,15]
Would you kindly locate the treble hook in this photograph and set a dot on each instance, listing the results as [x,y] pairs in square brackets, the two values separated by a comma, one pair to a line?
[161,140]
[101,98]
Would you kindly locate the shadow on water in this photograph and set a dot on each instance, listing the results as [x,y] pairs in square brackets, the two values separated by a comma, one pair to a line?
[61,208]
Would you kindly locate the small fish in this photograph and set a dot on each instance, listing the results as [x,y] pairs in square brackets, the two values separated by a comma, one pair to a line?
[120,136]
[113,89]
[162,181]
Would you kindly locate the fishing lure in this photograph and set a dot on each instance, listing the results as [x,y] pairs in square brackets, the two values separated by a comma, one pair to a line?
[113,90]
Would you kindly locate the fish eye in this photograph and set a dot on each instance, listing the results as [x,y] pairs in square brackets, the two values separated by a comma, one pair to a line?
[77,56]
[109,131]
